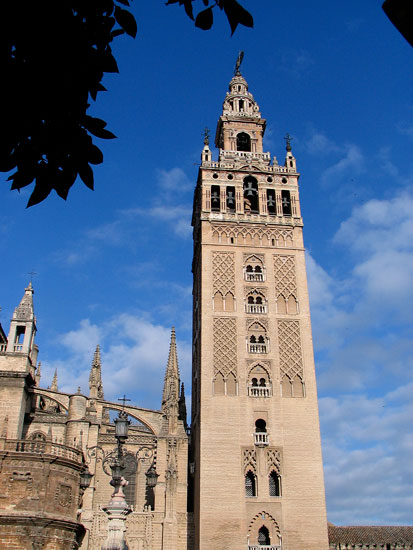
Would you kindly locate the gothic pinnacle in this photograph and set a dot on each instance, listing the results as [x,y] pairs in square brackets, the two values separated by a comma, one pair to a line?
[95,376]
[54,387]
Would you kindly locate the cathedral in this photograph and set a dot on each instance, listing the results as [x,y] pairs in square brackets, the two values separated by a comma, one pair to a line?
[247,473]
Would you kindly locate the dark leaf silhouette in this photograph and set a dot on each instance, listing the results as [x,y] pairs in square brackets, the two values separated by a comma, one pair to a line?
[126,21]
[52,73]
[204,19]
[236,14]
[86,175]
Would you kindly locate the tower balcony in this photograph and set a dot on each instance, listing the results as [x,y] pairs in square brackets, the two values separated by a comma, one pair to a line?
[257,348]
[254,277]
[261,439]
[266,547]
[259,391]
[256,308]
[243,155]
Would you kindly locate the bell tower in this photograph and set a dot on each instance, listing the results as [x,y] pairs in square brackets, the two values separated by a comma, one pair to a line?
[18,357]
[256,452]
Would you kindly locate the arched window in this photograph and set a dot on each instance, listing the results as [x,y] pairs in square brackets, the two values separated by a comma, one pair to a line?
[260,426]
[264,536]
[254,382]
[250,195]
[215,198]
[243,142]
[274,484]
[286,202]
[250,485]
[263,382]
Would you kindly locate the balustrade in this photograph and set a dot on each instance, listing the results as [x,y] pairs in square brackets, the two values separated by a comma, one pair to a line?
[259,391]
[256,308]
[257,348]
[257,277]
[43,447]
[261,438]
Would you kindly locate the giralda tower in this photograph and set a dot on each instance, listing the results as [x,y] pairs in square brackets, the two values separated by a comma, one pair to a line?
[256,465]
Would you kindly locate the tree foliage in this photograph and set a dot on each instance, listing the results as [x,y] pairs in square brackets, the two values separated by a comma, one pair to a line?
[53,56]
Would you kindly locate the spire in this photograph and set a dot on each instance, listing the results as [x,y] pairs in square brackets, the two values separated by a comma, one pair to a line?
[171,384]
[24,311]
[23,329]
[54,387]
[95,377]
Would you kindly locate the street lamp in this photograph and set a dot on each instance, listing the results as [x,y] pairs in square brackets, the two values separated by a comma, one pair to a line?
[116,460]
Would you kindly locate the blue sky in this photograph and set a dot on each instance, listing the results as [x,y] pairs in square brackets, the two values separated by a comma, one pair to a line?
[114,265]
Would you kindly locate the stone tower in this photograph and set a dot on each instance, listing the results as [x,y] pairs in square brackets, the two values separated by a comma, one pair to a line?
[256,462]
[18,357]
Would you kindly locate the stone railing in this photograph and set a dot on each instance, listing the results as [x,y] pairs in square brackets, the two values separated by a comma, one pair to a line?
[257,277]
[223,154]
[261,438]
[18,347]
[259,391]
[257,348]
[3,348]
[43,447]
[262,547]
[256,308]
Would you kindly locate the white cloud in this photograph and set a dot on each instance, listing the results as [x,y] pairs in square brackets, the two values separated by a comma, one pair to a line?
[363,340]
[134,354]
[174,180]
[350,163]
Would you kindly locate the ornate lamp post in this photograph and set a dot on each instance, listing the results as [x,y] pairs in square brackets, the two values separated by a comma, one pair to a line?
[115,460]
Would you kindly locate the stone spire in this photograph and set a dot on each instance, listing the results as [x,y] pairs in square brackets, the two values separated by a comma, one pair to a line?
[25,311]
[171,384]
[170,396]
[23,329]
[54,387]
[95,377]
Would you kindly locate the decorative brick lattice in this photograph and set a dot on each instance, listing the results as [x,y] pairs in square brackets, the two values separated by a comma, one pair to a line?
[291,362]
[284,274]
[273,460]
[260,237]
[223,269]
[225,346]
[249,460]
[256,324]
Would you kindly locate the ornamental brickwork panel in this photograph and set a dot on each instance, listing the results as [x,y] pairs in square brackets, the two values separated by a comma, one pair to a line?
[223,269]
[273,460]
[252,235]
[284,274]
[225,346]
[289,339]
[249,460]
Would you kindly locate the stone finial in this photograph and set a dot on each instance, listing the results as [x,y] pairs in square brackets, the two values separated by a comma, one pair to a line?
[38,374]
[206,136]
[288,140]
[238,62]
[95,376]
[54,387]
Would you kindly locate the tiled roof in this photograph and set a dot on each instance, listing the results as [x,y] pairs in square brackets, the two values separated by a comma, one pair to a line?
[379,534]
